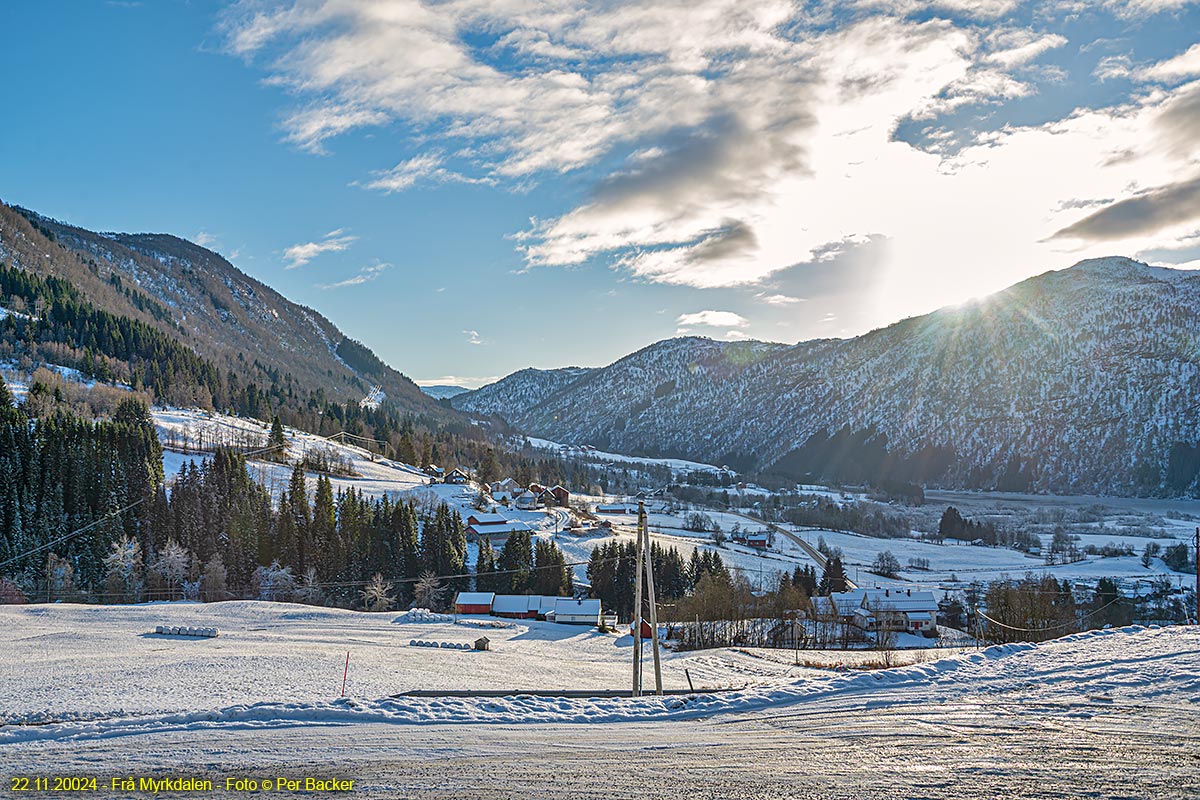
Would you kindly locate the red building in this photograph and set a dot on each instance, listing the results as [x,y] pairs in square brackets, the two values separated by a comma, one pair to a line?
[474,602]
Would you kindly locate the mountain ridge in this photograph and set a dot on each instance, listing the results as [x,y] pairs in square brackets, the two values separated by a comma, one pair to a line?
[1075,380]
[199,297]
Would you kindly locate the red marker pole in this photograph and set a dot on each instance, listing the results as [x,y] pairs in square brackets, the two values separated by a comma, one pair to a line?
[345,673]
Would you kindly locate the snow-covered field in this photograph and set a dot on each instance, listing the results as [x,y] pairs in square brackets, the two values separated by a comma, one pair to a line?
[677,465]
[1103,714]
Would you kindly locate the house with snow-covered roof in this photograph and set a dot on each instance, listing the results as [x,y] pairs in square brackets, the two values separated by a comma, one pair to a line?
[478,518]
[496,535]
[900,610]
[576,611]
[527,500]
[458,476]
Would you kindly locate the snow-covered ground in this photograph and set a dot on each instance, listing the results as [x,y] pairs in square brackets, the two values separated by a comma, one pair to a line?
[105,661]
[1104,714]
[677,465]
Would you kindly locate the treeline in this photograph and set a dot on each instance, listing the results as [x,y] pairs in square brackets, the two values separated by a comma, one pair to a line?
[61,473]
[523,567]
[872,520]
[953,525]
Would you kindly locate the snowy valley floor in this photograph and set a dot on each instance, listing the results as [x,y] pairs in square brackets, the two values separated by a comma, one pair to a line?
[1106,714]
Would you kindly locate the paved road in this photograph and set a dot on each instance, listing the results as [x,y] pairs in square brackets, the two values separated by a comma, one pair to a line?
[813,553]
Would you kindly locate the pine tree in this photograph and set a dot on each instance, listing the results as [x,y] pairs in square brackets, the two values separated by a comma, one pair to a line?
[277,440]
[485,566]
[516,560]
[833,579]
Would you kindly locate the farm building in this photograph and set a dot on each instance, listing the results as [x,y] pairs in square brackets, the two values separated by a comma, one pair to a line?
[759,540]
[434,471]
[478,518]
[838,607]
[496,534]
[523,606]
[908,610]
[559,495]
[897,610]
[474,602]
[458,476]
[505,485]
[527,500]
[612,508]
[576,611]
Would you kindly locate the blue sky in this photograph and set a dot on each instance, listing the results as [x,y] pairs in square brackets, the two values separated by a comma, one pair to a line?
[473,187]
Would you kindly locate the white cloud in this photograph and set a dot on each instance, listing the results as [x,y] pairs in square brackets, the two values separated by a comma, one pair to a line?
[713,319]
[746,141]
[368,273]
[205,239]
[1113,67]
[1184,65]
[333,242]
[427,167]
[778,299]
[473,337]
[1143,8]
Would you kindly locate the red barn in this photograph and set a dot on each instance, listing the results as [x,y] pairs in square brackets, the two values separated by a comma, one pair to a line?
[474,602]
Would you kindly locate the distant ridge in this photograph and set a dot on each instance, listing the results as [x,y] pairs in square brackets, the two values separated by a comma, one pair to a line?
[1084,380]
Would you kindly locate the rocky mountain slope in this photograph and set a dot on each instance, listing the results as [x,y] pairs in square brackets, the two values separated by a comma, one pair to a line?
[197,297]
[522,389]
[1081,380]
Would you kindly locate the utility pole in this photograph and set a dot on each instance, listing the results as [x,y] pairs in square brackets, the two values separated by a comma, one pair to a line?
[653,603]
[644,569]
[637,611]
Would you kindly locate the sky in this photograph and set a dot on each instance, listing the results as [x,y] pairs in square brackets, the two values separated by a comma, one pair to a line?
[472,187]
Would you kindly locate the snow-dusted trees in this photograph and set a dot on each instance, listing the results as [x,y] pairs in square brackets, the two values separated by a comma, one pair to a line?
[886,564]
[171,567]
[309,589]
[123,567]
[274,582]
[212,581]
[377,596]
[429,592]
[60,579]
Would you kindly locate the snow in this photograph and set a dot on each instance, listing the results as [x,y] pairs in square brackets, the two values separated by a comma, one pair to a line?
[101,673]
[105,661]
[373,398]
[678,465]
[375,476]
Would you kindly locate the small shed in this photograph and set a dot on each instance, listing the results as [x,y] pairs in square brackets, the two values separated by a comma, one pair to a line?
[482,643]
[474,602]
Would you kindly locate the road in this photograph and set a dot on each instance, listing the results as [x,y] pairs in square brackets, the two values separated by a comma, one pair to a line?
[813,553]
[867,746]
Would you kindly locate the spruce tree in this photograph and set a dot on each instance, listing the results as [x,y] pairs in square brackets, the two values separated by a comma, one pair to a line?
[485,567]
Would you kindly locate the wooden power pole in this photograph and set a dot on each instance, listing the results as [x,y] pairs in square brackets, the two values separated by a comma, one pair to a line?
[644,569]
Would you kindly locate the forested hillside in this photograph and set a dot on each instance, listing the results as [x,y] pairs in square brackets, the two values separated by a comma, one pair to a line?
[192,295]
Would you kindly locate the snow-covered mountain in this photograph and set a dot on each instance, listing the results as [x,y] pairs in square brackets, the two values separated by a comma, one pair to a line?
[199,298]
[1080,380]
[443,391]
[522,389]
